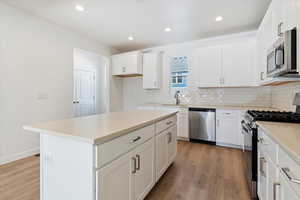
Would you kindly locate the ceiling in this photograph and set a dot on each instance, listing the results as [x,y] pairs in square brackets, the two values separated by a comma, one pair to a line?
[112,21]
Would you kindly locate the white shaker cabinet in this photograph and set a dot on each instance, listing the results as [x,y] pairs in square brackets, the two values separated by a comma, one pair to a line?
[144,178]
[152,64]
[228,132]
[207,66]
[161,154]
[115,180]
[238,64]
[127,64]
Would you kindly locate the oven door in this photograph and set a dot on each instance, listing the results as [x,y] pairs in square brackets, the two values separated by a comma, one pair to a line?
[249,157]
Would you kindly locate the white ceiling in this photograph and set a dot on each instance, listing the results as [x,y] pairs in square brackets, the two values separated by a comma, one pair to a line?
[112,21]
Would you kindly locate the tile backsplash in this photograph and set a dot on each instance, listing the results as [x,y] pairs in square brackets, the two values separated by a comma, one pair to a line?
[283,96]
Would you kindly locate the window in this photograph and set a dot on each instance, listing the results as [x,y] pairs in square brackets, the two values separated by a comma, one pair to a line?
[179,72]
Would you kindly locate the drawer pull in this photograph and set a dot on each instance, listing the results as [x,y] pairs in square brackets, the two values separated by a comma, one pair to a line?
[134,165]
[138,162]
[262,166]
[136,139]
[287,171]
[169,122]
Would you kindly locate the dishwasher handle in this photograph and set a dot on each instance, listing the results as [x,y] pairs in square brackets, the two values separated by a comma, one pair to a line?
[202,109]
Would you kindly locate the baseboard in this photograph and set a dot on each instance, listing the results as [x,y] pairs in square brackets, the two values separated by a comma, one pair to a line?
[18,156]
[183,138]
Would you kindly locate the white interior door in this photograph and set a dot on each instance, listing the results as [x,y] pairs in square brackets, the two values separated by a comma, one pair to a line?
[84,92]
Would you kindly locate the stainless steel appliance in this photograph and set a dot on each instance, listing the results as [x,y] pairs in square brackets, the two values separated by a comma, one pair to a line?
[250,133]
[282,56]
[297,102]
[202,125]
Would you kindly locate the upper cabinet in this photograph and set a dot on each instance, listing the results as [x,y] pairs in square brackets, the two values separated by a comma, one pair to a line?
[238,64]
[207,67]
[127,64]
[230,65]
[152,66]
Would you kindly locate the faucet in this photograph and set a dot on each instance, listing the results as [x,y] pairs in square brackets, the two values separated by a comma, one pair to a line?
[176,96]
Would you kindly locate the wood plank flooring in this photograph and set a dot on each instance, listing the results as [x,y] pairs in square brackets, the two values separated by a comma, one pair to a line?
[200,172]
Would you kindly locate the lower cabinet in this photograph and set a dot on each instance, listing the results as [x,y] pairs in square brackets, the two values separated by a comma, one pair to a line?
[166,150]
[273,183]
[228,130]
[130,177]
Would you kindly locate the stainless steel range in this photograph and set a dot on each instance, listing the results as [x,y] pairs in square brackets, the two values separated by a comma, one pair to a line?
[249,130]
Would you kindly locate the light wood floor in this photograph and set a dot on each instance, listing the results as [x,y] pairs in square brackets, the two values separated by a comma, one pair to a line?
[200,172]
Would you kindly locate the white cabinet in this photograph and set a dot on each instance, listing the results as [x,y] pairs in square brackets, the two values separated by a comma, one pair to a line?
[230,65]
[183,124]
[285,191]
[172,144]
[161,154]
[152,65]
[144,178]
[115,180]
[228,130]
[207,66]
[262,184]
[238,64]
[166,150]
[130,177]
[127,64]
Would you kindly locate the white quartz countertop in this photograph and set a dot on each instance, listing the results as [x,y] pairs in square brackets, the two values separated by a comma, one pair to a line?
[101,128]
[287,135]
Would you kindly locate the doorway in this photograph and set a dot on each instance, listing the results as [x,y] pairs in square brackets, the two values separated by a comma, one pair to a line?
[90,94]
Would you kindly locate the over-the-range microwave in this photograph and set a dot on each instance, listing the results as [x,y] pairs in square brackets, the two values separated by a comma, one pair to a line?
[282,56]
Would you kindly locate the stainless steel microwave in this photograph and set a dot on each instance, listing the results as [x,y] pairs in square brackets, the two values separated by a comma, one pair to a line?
[282,56]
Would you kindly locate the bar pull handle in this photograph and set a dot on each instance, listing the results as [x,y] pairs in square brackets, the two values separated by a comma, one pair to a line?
[138,162]
[261,166]
[288,174]
[134,165]
[136,139]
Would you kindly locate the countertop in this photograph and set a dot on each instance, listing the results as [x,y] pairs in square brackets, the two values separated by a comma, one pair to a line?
[101,128]
[225,107]
[287,135]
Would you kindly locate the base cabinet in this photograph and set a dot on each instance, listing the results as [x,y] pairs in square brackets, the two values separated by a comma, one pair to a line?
[130,177]
[115,181]
[166,150]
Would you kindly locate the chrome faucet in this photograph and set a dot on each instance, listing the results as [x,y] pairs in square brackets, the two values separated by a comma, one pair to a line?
[176,96]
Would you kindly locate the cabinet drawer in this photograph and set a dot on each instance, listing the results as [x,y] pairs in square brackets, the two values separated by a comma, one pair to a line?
[268,145]
[166,123]
[227,114]
[111,150]
[289,167]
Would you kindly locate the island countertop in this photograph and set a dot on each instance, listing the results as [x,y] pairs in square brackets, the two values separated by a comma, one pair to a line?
[287,135]
[101,128]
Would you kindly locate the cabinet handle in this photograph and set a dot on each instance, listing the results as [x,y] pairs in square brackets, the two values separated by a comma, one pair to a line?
[136,139]
[261,166]
[275,185]
[218,122]
[123,69]
[138,162]
[169,122]
[262,75]
[279,29]
[134,165]
[287,172]
[169,137]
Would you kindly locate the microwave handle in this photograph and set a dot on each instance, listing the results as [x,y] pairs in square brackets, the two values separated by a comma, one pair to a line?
[276,63]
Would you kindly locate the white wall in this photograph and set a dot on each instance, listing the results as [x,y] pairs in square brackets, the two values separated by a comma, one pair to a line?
[36,77]
[135,95]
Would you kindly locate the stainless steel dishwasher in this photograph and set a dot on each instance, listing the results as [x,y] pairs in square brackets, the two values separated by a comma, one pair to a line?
[202,125]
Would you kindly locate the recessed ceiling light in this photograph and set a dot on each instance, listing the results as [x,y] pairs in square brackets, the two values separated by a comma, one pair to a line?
[130,38]
[219,18]
[168,29]
[79,8]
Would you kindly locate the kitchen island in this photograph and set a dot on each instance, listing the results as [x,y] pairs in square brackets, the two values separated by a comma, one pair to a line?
[110,156]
